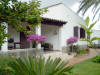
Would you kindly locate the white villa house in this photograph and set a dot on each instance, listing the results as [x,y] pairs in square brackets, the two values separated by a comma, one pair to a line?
[58,24]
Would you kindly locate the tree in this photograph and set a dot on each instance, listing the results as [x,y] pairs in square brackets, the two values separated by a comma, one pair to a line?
[87,4]
[36,39]
[19,15]
[70,41]
[88,29]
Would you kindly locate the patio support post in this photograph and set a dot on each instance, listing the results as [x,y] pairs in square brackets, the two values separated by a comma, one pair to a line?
[4,47]
[59,39]
[79,32]
[38,31]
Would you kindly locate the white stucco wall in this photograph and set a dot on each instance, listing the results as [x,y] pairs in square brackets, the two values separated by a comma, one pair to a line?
[96,33]
[61,12]
[14,34]
[73,20]
[52,38]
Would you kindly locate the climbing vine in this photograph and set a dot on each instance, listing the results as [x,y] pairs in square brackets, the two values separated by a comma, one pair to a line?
[20,15]
[2,34]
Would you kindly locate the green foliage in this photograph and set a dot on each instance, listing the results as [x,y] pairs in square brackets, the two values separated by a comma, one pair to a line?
[46,44]
[96,59]
[87,4]
[88,29]
[2,34]
[33,66]
[40,66]
[82,51]
[87,20]
[20,14]
[86,67]
[95,38]
[4,68]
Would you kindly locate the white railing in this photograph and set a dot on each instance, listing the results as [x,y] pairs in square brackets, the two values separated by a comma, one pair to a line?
[22,52]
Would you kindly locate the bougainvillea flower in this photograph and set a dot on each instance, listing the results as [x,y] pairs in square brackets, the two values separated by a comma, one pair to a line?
[72,40]
[36,38]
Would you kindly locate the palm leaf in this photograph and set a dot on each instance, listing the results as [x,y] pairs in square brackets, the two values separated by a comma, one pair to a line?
[39,66]
[87,4]
[89,33]
[96,12]
[84,27]
[95,38]
[84,39]
[87,20]
[92,25]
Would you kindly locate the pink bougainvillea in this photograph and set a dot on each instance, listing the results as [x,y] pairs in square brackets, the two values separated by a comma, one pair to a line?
[36,38]
[72,40]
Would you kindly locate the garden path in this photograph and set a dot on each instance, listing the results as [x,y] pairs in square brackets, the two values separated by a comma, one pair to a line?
[70,58]
[80,58]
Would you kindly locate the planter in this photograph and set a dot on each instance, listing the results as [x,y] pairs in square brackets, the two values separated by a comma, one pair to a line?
[47,46]
[87,51]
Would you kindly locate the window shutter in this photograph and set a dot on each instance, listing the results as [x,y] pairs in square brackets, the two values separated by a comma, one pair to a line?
[82,33]
[76,31]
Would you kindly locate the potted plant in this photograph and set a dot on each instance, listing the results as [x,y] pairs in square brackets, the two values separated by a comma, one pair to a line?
[36,39]
[70,42]
[47,46]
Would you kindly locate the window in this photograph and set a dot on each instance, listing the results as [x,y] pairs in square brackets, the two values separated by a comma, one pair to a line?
[76,31]
[82,33]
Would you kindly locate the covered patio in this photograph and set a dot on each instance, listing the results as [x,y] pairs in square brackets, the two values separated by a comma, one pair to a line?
[49,28]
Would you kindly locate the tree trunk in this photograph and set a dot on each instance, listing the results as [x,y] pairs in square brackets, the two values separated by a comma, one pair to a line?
[72,47]
[36,48]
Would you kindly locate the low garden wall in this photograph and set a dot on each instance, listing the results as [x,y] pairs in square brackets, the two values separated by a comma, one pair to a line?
[22,52]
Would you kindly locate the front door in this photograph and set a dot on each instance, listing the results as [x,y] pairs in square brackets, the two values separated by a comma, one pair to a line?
[23,41]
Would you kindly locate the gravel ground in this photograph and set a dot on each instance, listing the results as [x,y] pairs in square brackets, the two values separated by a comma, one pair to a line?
[57,54]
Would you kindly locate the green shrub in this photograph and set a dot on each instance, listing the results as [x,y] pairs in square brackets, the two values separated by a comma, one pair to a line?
[46,44]
[33,66]
[4,68]
[40,66]
[76,48]
[96,59]
[82,51]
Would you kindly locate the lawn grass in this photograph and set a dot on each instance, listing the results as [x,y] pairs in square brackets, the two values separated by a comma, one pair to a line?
[87,67]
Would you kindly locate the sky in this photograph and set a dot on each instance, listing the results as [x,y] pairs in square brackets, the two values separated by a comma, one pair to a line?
[69,3]
[73,4]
